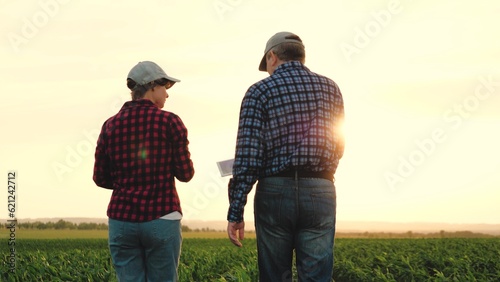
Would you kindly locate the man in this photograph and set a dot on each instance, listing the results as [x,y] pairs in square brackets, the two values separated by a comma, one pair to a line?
[140,152]
[289,140]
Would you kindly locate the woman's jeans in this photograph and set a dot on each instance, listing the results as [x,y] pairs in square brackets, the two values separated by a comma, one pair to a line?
[295,215]
[145,251]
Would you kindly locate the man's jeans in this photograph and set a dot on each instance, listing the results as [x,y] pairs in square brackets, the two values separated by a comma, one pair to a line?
[146,251]
[295,214]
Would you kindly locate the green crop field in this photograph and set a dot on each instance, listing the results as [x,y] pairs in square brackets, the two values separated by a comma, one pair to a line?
[451,259]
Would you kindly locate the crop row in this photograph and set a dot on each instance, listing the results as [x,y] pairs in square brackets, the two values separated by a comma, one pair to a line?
[218,260]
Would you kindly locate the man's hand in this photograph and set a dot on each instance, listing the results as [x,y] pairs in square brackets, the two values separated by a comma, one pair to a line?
[233,230]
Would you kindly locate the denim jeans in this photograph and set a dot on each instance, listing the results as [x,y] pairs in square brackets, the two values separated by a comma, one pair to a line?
[295,215]
[145,251]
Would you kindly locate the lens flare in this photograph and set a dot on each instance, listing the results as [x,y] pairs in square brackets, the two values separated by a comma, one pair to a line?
[143,154]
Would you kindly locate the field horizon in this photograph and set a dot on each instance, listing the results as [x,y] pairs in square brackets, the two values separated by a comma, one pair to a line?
[342,226]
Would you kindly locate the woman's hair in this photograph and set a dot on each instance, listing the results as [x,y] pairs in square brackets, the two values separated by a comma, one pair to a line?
[290,51]
[138,91]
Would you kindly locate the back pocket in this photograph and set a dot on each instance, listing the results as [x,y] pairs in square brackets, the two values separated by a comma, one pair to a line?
[267,208]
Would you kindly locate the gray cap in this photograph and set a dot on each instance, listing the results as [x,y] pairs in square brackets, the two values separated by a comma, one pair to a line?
[146,71]
[277,39]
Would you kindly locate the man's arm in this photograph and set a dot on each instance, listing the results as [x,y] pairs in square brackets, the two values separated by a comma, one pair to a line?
[248,155]
[339,124]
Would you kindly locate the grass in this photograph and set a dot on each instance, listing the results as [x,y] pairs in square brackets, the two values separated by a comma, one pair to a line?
[410,259]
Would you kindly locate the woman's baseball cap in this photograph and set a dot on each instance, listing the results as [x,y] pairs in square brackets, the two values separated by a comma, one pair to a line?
[147,71]
[275,40]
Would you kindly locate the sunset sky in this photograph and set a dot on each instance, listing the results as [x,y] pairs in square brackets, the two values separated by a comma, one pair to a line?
[420,81]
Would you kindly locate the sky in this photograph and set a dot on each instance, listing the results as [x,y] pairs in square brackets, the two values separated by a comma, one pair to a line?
[420,82]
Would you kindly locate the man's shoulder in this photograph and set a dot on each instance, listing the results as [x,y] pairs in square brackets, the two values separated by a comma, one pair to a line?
[325,81]
[321,77]
[259,87]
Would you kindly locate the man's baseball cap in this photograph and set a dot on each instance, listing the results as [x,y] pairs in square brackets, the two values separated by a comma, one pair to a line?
[275,40]
[147,71]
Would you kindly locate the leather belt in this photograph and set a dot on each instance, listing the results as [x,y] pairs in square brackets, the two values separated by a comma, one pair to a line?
[297,174]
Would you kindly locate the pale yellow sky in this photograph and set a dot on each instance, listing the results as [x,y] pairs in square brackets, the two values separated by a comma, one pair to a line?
[421,84]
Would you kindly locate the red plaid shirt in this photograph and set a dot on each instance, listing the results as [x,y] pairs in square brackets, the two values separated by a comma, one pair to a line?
[139,152]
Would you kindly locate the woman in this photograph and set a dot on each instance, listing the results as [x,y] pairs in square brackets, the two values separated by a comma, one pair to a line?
[140,152]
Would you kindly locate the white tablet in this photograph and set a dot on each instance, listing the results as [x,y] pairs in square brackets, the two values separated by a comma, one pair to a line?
[226,167]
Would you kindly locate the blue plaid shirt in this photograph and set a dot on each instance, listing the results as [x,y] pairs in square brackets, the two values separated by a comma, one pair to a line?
[290,119]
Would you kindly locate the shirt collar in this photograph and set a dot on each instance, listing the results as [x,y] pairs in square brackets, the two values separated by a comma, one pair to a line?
[140,102]
[289,65]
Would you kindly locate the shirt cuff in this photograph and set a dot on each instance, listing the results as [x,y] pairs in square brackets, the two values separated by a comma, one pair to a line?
[235,214]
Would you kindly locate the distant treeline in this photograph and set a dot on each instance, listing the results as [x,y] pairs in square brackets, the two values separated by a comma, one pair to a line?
[205,229]
[62,224]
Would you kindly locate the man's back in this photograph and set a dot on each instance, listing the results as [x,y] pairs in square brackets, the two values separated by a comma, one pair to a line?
[289,140]
[298,111]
